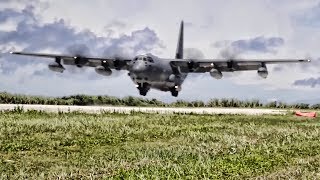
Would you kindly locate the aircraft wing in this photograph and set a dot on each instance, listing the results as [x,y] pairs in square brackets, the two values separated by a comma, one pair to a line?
[113,63]
[225,65]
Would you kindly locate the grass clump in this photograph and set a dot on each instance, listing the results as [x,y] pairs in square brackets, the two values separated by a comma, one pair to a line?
[77,145]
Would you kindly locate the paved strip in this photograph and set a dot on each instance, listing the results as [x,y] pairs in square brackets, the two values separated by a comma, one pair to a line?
[128,110]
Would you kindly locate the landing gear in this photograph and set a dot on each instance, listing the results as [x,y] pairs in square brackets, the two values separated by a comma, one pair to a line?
[143,92]
[174,93]
[143,88]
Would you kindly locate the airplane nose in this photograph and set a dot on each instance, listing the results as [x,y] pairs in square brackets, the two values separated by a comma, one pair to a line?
[138,66]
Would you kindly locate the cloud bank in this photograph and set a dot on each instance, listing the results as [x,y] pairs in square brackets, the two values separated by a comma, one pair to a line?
[311,82]
[260,44]
[29,34]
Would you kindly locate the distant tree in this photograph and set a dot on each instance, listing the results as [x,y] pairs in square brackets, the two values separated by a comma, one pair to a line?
[315,106]
[271,104]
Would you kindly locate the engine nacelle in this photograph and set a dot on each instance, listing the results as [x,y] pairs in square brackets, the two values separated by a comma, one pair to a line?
[172,78]
[56,67]
[105,71]
[263,72]
[215,73]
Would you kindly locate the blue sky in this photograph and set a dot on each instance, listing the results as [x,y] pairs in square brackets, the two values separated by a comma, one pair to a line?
[244,29]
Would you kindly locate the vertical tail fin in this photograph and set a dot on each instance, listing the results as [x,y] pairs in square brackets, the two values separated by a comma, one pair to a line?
[179,52]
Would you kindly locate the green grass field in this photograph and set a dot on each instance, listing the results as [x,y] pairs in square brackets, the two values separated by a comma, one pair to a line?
[35,145]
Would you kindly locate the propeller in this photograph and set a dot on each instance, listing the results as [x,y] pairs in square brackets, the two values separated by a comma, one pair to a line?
[230,52]
[79,51]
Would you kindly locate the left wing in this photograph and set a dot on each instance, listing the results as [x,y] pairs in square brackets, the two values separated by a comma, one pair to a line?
[225,65]
[113,63]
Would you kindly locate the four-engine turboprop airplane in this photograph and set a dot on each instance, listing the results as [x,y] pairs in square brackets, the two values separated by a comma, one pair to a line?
[148,71]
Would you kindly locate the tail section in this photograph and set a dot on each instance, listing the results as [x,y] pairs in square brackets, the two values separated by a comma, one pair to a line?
[179,52]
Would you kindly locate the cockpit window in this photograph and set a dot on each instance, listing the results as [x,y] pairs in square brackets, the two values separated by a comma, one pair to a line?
[144,58]
[150,59]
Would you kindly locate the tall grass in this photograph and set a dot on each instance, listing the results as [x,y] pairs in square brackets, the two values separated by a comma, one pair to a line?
[83,100]
[37,145]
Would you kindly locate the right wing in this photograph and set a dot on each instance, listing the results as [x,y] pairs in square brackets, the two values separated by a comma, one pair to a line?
[113,63]
[225,65]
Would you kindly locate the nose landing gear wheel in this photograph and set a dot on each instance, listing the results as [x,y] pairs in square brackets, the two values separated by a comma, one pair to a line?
[174,93]
[143,89]
[143,92]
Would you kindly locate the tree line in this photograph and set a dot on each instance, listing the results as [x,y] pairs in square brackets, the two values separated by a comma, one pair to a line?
[86,100]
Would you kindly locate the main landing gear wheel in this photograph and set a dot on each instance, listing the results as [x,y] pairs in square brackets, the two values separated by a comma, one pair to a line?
[175,90]
[143,89]
[174,93]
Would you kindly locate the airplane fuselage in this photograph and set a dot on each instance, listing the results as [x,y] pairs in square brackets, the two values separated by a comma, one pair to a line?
[148,71]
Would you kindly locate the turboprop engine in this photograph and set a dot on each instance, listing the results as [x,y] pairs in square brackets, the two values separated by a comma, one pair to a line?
[215,73]
[263,72]
[105,71]
[56,67]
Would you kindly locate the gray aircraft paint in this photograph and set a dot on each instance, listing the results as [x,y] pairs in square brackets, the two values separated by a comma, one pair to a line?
[158,74]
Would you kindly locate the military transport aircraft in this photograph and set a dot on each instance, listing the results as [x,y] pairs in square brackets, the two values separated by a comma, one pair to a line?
[148,71]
